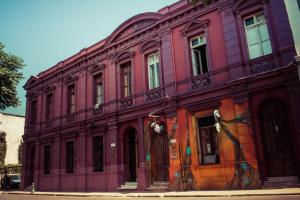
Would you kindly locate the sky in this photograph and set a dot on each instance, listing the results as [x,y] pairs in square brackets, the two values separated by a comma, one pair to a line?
[44,32]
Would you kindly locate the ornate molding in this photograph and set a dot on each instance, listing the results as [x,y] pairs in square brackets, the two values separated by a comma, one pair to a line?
[49,89]
[126,102]
[70,79]
[133,25]
[96,68]
[150,44]
[195,24]
[127,54]
[245,4]
[201,81]
[153,95]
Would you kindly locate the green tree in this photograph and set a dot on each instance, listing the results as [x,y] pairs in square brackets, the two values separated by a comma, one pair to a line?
[10,76]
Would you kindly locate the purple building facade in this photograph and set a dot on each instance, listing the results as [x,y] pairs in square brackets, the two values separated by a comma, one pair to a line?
[87,117]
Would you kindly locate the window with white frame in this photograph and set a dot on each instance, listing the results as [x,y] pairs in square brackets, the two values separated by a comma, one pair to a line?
[98,89]
[153,70]
[199,58]
[126,79]
[257,36]
[71,99]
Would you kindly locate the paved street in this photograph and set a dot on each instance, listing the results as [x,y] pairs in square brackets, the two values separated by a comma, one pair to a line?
[43,197]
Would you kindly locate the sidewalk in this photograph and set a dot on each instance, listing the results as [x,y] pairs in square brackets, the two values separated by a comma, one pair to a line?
[224,193]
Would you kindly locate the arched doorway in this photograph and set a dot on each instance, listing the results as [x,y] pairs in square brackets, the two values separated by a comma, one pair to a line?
[159,156]
[131,155]
[31,166]
[276,138]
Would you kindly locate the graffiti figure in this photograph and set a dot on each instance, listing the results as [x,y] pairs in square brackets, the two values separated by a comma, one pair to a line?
[245,176]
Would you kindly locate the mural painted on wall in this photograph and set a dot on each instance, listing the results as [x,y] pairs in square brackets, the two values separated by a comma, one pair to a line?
[185,172]
[184,177]
[245,176]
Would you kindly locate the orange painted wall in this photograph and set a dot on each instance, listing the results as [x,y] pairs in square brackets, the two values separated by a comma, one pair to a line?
[217,176]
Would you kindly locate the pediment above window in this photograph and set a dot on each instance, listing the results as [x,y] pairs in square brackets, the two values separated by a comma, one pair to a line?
[150,44]
[70,79]
[50,88]
[96,68]
[32,95]
[195,24]
[244,4]
[124,55]
[31,81]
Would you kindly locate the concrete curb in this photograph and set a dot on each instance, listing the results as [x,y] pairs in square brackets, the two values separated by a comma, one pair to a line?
[230,193]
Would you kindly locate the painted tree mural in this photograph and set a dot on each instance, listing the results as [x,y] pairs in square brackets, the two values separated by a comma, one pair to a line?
[245,176]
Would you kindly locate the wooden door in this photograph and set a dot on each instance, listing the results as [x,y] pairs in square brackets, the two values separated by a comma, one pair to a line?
[31,166]
[160,157]
[276,139]
[132,154]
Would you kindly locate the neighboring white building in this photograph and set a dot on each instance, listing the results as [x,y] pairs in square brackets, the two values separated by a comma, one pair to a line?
[293,10]
[13,125]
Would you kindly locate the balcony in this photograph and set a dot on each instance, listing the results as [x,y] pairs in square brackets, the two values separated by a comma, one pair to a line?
[70,117]
[261,64]
[126,102]
[201,81]
[153,95]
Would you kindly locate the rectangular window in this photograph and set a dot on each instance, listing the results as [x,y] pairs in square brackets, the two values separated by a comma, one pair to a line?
[71,99]
[153,70]
[33,112]
[47,159]
[98,153]
[126,79]
[208,141]
[49,106]
[98,89]
[257,36]
[70,157]
[199,57]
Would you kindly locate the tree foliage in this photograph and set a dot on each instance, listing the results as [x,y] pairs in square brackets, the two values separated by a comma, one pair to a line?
[10,75]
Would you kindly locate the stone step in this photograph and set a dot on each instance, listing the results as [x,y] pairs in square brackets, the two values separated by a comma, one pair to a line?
[283,178]
[159,186]
[130,183]
[281,182]
[128,186]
